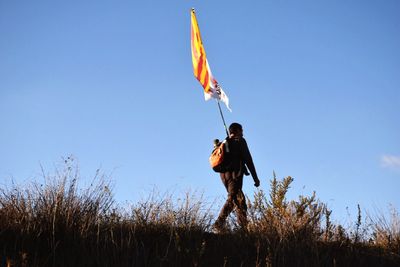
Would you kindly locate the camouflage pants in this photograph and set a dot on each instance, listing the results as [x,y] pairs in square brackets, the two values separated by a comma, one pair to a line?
[236,199]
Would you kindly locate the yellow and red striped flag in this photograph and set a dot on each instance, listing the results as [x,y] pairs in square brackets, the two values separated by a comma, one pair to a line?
[201,69]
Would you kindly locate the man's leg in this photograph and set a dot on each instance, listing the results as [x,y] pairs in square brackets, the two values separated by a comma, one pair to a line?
[229,203]
[241,209]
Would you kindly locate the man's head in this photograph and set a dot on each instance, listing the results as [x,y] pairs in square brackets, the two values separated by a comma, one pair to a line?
[235,129]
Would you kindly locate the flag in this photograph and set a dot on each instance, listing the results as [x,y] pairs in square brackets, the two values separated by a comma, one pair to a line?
[201,69]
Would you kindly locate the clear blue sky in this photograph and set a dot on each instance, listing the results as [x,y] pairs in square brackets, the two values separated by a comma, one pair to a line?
[316,85]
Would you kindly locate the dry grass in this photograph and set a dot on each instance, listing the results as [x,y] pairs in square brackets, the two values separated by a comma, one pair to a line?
[58,224]
[386,232]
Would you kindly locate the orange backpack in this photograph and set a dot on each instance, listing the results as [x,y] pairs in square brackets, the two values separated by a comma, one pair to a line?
[218,156]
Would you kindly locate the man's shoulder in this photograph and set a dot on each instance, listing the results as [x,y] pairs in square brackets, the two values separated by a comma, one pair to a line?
[236,138]
[239,140]
[237,143]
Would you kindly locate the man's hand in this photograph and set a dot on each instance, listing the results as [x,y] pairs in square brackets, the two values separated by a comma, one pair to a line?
[256,182]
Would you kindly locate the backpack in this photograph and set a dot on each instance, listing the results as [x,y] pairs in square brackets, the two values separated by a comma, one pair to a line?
[219,156]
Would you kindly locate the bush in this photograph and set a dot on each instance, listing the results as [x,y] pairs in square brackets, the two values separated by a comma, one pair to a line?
[58,224]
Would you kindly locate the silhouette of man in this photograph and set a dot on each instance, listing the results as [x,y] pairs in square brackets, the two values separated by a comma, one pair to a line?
[232,178]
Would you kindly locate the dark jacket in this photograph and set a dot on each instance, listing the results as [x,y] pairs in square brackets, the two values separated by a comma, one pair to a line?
[240,157]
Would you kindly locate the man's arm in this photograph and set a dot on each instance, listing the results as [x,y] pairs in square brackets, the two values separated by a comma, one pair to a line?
[248,160]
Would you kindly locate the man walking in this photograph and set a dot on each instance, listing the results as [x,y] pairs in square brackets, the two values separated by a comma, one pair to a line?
[232,178]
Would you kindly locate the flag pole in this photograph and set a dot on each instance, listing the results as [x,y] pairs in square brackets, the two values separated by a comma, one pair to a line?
[223,119]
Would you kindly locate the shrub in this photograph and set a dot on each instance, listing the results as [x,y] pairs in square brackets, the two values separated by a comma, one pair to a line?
[56,223]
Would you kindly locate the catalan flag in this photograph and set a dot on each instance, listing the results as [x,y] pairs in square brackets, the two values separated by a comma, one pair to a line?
[201,69]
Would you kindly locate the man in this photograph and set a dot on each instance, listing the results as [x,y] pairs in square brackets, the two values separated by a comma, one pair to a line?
[232,178]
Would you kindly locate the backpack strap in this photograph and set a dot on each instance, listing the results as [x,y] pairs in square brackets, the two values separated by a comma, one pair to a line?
[226,145]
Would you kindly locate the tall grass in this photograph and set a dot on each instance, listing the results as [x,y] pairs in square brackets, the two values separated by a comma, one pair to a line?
[57,223]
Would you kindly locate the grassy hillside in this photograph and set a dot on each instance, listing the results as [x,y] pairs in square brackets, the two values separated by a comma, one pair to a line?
[57,224]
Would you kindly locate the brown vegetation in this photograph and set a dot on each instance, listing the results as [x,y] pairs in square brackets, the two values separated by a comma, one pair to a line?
[57,224]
